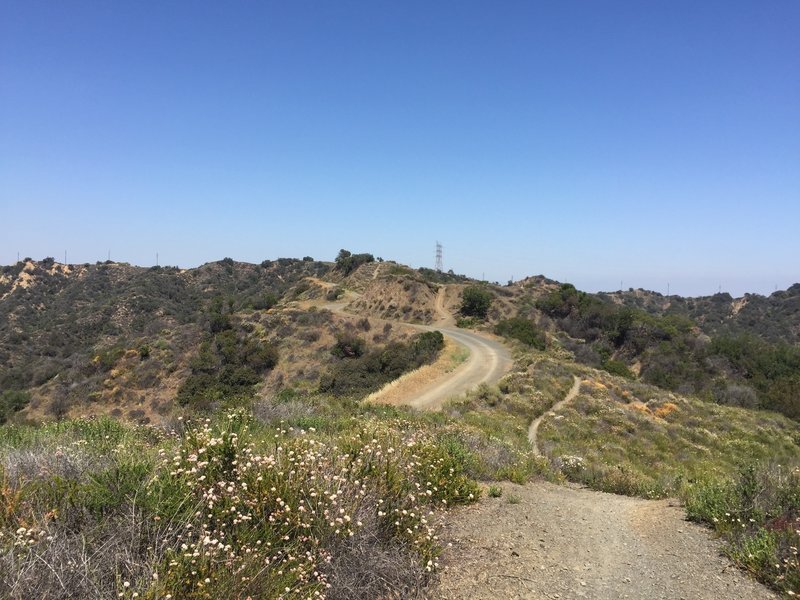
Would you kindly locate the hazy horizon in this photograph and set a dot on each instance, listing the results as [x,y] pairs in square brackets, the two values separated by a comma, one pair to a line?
[668,290]
[614,145]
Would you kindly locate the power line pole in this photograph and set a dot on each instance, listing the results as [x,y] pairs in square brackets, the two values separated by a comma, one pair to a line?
[438,257]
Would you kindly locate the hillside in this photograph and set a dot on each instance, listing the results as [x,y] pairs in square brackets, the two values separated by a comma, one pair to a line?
[253,461]
[139,343]
[671,349]
[65,330]
[114,338]
[775,318]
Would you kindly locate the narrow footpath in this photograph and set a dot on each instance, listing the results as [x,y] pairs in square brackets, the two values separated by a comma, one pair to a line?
[533,430]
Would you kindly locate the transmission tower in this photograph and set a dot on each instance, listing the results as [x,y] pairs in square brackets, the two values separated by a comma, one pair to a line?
[438,257]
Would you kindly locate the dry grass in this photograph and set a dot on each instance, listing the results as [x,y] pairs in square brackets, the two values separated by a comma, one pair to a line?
[640,440]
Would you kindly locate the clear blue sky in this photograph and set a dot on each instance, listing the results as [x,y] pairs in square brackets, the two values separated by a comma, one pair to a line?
[597,142]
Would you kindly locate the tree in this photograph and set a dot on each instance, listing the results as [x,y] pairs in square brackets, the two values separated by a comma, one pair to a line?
[475,301]
[347,262]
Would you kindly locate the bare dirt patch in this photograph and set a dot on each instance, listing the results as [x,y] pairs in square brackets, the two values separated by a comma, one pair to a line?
[547,541]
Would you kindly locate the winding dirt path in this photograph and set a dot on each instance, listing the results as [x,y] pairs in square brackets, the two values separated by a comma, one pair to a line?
[445,318]
[487,362]
[533,430]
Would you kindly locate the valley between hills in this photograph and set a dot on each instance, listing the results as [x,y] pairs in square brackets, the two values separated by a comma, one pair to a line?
[361,429]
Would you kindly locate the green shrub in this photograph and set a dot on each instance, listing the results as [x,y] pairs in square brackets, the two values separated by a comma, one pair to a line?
[475,301]
[226,368]
[334,294]
[348,346]
[265,302]
[364,372]
[346,262]
[12,401]
[616,367]
[523,330]
[106,359]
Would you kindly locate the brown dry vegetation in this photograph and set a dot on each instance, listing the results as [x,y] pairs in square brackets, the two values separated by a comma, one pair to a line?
[397,298]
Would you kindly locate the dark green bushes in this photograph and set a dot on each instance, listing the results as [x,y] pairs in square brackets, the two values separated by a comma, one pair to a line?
[227,365]
[346,262]
[265,302]
[475,301]
[523,330]
[369,371]
[348,346]
[12,401]
[772,369]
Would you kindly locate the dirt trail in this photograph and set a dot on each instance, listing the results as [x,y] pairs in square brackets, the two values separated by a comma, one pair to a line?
[428,388]
[487,362]
[547,541]
[445,318]
[533,430]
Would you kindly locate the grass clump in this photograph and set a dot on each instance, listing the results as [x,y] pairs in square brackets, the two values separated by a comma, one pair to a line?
[495,491]
[757,511]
